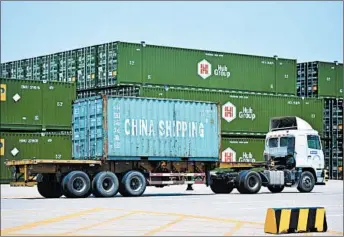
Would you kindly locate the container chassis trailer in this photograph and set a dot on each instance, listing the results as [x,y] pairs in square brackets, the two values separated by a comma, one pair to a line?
[81,178]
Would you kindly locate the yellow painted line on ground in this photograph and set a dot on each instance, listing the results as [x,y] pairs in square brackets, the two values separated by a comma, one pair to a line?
[335,232]
[216,219]
[160,228]
[30,234]
[72,232]
[49,221]
[198,217]
[237,227]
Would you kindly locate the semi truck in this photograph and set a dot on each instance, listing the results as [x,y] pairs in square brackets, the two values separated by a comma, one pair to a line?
[293,158]
[124,144]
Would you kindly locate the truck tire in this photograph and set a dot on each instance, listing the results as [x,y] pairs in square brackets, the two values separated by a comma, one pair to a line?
[133,184]
[76,184]
[221,187]
[251,182]
[105,184]
[239,182]
[49,188]
[275,189]
[306,183]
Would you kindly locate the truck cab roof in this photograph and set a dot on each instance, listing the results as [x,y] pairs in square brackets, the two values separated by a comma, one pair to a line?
[290,125]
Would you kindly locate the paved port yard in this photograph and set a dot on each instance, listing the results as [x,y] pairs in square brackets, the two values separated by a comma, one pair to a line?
[168,211]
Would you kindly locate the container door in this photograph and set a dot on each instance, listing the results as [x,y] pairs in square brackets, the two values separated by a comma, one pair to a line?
[130,63]
[54,67]
[286,76]
[90,70]
[327,82]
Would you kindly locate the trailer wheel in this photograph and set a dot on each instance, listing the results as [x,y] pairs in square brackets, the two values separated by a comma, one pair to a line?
[252,182]
[49,188]
[275,189]
[221,187]
[133,184]
[105,184]
[306,183]
[76,184]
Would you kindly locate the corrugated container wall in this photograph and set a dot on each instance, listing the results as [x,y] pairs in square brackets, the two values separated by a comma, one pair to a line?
[122,128]
[119,63]
[242,149]
[247,113]
[32,105]
[19,146]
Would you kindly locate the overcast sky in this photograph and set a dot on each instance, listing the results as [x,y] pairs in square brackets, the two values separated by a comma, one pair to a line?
[300,30]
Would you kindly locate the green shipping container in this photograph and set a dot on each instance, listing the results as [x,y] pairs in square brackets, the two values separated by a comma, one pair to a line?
[320,79]
[242,149]
[19,146]
[122,63]
[247,113]
[36,105]
[157,65]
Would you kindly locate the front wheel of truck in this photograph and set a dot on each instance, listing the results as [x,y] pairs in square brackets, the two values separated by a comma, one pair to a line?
[306,183]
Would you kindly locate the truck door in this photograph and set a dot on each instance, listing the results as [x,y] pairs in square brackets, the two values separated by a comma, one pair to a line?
[315,156]
[301,151]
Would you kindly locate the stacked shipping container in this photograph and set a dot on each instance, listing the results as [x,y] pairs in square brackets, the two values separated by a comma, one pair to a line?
[36,119]
[325,80]
[242,113]
[251,89]
[120,63]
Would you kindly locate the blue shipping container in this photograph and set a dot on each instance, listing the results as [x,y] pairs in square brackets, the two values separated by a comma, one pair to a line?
[125,128]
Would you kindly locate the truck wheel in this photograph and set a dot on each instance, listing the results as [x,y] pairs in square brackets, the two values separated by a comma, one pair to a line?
[275,189]
[252,182]
[306,183]
[105,184]
[76,184]
[133,184]
[221,187]
[49,188]
[239,182]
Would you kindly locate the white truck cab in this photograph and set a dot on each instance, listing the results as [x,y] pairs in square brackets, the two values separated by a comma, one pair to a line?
[293,143]
[293,158]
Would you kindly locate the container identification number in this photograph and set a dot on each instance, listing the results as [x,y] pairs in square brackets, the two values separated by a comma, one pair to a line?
[28,140]
[27,87]
[294,102]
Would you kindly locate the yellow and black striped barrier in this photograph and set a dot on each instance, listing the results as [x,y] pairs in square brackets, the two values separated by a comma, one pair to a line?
[295,220]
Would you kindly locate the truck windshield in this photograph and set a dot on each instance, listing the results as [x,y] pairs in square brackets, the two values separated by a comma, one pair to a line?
[273,142]
[288,142]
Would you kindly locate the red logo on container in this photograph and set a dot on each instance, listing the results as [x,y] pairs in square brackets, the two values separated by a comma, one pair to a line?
[228,112]
[228,155]
[204,69]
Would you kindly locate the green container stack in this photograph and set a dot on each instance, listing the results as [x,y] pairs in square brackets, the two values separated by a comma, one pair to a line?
[324,80]
[36,120]
[251,89]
